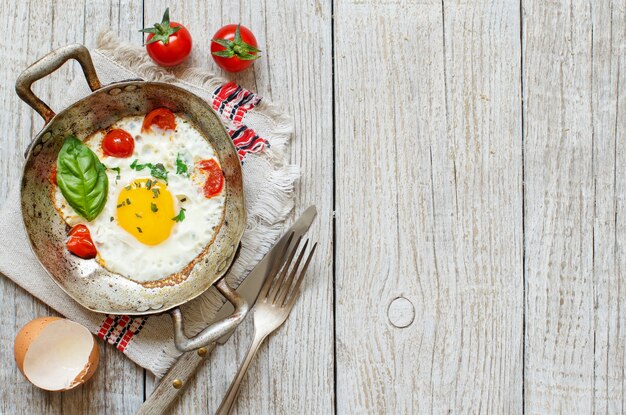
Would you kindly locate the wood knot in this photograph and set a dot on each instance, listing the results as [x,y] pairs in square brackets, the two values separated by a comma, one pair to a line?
[401,312]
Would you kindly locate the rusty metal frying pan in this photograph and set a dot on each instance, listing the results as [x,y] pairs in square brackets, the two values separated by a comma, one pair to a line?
[85,281]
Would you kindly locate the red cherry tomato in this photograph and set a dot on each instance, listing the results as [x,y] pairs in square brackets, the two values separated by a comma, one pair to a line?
[80,244]
[215,178]
[79,230]
[53,174]
[118,143]
[168,43]
[161,117]
[234,48]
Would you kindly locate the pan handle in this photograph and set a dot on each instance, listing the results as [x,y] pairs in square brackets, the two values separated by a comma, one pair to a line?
[214,331]
[48,64]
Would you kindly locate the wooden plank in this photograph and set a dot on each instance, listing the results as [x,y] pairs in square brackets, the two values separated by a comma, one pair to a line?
[429,192]
[434,218]
[296,73]
[609,262]
[16,303]
[37,28]
[573,67]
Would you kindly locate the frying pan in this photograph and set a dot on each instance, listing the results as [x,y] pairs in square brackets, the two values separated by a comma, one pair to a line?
[86,281]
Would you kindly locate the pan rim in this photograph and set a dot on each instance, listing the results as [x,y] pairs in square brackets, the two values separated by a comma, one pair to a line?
[236,235]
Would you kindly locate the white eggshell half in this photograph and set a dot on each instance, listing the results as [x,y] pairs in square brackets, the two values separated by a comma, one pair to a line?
[61,356]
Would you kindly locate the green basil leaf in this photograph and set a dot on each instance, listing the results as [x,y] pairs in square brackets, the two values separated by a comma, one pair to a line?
[82,178]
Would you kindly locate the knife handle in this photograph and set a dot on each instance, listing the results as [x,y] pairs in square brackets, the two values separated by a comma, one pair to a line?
[174,382]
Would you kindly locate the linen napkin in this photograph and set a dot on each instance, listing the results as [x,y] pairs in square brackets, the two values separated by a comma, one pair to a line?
[260,133]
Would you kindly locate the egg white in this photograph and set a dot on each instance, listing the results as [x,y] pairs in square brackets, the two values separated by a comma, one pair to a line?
[118,250]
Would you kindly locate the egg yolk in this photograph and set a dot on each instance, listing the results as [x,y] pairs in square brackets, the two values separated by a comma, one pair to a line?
[145,209]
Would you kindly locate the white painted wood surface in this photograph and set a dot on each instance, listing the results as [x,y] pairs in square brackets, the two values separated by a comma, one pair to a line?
[474,154]
[36,28]
[575,192]
[429,196]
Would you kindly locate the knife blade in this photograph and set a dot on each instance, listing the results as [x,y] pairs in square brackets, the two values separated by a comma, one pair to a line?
[251,286]
[179,375]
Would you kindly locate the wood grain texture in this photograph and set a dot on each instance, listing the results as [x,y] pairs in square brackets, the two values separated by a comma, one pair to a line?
[35,29]
[609,119]
[428,206]
[480,183]
[173,385]
[574,168]
[293,372]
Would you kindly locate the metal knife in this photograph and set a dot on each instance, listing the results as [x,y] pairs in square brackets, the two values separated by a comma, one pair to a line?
[179,375]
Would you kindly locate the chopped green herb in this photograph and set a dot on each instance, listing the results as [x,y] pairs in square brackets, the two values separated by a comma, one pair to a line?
[181,167]
[156,192]
[139,229]
[156,170]
[127,187]
[121,204]
[149,184]
[136,166]
[154,207]
[119,173]
[111,219]
[139,215]
[127,201]
[115,169]
[180,217]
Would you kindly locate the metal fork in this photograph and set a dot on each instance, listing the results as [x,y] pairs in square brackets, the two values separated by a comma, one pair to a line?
[276,299]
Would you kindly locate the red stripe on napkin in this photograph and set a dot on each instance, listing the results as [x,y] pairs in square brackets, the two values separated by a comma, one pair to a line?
[119,330]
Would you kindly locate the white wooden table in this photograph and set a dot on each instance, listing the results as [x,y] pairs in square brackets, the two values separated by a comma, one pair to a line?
[468,160]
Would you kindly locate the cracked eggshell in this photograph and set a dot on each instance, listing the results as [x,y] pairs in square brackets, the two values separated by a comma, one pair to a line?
[56,354]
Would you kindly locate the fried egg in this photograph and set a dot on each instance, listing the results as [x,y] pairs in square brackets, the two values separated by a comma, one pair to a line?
[152,227]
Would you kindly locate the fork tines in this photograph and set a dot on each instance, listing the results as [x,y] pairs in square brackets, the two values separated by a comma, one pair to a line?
[282,286]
